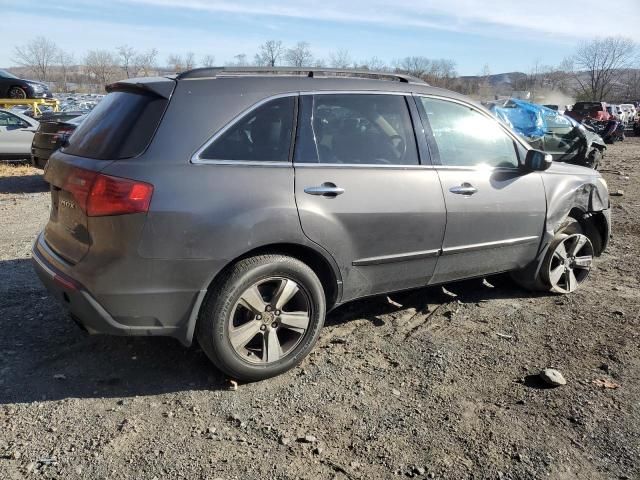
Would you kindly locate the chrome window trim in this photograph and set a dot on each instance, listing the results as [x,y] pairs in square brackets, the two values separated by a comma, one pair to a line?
[362,165]
[195,158]
[353,92]
[470,168]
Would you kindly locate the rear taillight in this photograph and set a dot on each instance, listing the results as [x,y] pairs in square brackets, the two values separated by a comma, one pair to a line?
[117,196]
[101,195]
[62,133]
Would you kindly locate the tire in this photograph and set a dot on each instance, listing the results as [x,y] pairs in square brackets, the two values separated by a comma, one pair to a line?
[594,158]
[233,313]
[539,279]
[17,93]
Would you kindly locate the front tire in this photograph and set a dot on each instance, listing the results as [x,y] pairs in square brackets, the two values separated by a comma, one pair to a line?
[594,158]
[17,93]
[567,262]
[262,317]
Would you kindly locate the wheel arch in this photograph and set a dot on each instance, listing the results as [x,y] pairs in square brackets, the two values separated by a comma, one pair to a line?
[324,267]
[595,226]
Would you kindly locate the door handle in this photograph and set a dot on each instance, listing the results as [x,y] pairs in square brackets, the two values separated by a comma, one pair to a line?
[464,189]
[327,189]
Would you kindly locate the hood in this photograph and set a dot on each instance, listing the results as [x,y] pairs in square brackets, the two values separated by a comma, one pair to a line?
[594,138]
[563,168]
[40,84]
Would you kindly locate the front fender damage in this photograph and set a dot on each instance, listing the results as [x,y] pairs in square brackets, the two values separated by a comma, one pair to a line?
[568,195]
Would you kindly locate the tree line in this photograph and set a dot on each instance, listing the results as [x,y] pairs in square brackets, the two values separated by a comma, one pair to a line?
[598,69]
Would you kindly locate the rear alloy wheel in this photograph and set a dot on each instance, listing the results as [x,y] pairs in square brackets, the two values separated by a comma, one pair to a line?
[17,93]
[269,320]
[568,262]
[262,317]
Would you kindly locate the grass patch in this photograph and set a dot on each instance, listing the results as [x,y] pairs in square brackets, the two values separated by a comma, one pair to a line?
[17,169]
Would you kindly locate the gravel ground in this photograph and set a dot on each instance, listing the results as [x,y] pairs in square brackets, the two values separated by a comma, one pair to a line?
[434,384]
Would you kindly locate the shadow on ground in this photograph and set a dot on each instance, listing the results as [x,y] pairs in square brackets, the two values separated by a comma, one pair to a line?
[23,184]
[45,356]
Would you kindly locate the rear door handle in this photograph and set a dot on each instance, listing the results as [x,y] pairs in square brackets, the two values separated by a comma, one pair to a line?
[464,189]
[327,189]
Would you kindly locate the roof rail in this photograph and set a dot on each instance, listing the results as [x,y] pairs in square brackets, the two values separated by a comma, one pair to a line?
[212,72]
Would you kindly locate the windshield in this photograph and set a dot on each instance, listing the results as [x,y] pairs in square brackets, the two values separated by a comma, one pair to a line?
[5,74]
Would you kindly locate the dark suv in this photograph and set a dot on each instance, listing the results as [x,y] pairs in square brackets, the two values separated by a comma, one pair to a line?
[239,206]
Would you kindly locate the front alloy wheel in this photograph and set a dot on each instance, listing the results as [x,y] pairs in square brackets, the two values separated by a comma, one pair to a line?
[569,262]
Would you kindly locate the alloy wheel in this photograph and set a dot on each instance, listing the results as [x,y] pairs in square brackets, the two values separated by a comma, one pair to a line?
[17,93]
[269,320]
[571,260]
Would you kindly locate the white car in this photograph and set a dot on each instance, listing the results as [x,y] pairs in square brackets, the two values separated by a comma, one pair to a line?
[630,112]
[16,135]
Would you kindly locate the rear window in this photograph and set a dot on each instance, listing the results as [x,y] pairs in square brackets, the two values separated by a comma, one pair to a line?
[121,126]
[587,106]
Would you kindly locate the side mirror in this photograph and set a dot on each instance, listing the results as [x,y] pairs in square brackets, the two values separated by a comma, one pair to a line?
[537,161]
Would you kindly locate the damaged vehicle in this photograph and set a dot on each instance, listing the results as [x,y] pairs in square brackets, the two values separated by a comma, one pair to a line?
[236,207]
[559,135]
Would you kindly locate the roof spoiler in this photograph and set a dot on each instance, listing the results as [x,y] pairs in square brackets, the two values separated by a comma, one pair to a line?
[160,86]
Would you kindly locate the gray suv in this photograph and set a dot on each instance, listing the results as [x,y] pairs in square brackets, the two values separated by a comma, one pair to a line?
[239,206]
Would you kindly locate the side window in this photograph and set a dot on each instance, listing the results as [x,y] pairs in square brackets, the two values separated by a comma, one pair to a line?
[8,120]
[465,137]
[356,129]
[263,135]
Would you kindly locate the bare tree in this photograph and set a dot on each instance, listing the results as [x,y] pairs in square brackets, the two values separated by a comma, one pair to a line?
[38,55]
[239,60]
[416,65]
[270,53]
[145,63]
[300,55]
[127,56]
[189,61]
[340,59]
[600,64]
[374,63]
[441,73]
[102,65]
[65,62]
[208,61]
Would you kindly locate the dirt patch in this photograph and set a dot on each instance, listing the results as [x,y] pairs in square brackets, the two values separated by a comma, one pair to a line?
[442,386]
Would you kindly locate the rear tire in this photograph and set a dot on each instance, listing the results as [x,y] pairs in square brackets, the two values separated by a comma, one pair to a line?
[262,317]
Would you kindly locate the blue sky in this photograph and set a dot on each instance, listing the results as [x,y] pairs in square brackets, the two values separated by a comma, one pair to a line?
[505,34]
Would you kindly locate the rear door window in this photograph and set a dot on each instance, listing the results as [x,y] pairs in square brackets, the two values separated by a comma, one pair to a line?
[367,129]
[121,126]
[263,135]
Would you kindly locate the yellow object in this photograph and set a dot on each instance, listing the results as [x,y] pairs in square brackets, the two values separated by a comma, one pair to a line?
[34,103]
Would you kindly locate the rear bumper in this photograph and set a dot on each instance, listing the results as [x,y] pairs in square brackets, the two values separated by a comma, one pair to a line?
[89,313]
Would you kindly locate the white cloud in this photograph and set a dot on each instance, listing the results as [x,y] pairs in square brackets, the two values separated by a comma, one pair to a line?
[573,19]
